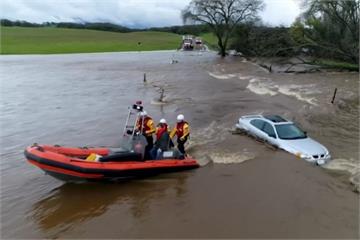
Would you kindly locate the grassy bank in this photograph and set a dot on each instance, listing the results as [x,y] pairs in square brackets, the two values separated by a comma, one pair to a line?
[327,63]
[210,40]
[21,40]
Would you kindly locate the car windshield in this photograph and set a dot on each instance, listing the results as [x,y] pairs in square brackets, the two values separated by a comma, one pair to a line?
[289,131]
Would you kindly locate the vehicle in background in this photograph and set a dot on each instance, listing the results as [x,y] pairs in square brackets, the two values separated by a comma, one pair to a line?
[190,42]
[285,135]
[187,45]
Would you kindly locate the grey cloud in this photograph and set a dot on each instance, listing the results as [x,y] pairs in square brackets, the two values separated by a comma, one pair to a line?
[131,13]
[280,12]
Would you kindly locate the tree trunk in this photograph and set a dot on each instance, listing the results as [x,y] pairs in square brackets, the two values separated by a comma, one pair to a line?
[222,50]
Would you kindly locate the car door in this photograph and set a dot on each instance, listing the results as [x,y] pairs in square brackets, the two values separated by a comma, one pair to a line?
[257,126]
[269,131]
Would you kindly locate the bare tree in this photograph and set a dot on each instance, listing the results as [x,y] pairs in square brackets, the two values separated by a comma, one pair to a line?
[331,26]
[222,16]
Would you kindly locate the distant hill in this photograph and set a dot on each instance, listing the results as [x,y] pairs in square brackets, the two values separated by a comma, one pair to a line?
[45,40]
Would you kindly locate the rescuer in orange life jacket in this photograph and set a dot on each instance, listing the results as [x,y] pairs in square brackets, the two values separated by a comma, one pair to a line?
[182,131]
[146,124]
[163,141]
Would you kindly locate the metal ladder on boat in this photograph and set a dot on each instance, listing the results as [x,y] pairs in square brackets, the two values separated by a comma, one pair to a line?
[132,119]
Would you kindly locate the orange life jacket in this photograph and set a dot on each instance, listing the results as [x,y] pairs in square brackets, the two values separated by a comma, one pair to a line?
[144,124]
[180,129]
[161,130]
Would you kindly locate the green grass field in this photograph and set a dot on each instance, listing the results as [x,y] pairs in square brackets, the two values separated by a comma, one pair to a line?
[210,39]
[45,40]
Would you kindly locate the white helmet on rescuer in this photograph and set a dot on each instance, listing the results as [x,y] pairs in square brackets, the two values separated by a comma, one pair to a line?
[162,120]
[180,118]
[143,113]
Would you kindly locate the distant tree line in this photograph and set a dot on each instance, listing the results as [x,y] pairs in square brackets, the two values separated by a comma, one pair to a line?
[96,26]
[196,30]
[186,29]
[93,26]
[18,23]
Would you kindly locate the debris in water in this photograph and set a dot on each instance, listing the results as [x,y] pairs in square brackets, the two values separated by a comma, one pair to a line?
[333,98]
[236,131]
[355,181]
[161,100]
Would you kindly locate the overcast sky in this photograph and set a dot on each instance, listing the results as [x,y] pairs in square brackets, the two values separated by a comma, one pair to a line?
[130,13]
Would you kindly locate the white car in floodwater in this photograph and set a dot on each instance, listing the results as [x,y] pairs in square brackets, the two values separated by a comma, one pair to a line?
[285,135]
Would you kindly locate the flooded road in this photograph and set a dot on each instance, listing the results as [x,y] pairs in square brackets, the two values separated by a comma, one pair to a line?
[244,188]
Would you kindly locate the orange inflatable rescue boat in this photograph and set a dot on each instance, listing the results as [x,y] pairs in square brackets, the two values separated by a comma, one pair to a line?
[72,164]
[89,163]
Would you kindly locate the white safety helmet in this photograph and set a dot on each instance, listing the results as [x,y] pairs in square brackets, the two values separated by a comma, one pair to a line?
[180,118]
[143,113]
[162,120]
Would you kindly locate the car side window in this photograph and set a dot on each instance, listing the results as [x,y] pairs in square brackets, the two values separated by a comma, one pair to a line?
[269,130]
[257,123]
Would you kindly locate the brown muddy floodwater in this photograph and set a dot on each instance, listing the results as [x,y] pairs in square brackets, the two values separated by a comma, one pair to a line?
[243,189]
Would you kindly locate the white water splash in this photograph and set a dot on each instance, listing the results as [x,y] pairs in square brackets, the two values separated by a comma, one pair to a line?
[212,134]
[222,76]
[231,158]
[244,77]
[299,92]
[349,165]
[263,86]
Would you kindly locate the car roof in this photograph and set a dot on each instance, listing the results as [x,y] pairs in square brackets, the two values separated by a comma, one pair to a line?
[275,118]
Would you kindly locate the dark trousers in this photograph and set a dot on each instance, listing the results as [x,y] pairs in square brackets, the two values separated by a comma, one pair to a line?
[149,146]
[181,144]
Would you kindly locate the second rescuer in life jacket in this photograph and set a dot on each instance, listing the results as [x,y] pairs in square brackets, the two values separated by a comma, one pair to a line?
[182,131]
[163,141]
[146,124]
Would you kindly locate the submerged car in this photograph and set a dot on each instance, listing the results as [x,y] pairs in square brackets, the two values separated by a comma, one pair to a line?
[285,135]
